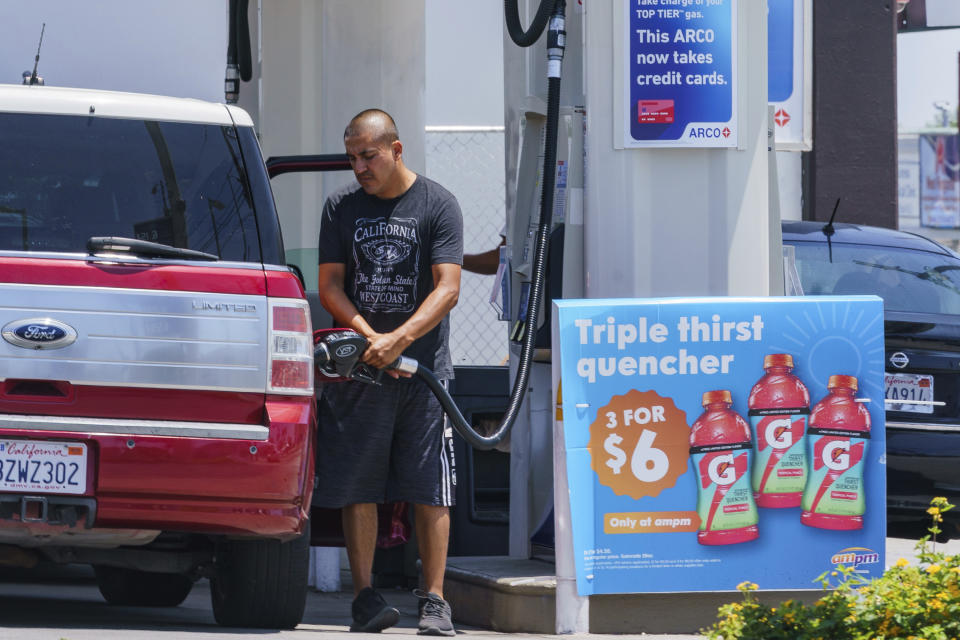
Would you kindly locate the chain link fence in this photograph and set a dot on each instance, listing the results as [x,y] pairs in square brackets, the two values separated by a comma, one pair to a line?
[468,161]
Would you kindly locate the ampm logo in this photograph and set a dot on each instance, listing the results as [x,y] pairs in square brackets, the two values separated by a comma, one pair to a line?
[855,557]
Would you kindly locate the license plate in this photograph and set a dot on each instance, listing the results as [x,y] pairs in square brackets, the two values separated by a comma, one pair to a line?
[37,466]
[906,387]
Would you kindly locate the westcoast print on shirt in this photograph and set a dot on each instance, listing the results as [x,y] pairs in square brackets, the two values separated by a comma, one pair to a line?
[386,280]
[388,249]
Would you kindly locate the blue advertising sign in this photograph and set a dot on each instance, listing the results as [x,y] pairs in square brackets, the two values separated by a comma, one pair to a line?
[780,49]
[715,440]
[788,69]
[680,84]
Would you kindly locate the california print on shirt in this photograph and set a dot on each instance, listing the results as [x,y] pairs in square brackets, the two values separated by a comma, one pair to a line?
[386,253]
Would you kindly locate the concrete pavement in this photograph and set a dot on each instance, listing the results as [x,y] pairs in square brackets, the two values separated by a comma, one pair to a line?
[66,605]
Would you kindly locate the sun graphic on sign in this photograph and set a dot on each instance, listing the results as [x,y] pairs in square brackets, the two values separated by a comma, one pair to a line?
[836,338]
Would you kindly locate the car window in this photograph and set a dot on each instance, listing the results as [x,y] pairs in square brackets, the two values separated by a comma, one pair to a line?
[907,280]
[64,179]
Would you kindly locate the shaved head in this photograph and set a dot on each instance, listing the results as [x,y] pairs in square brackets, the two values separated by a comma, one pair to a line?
[376,154]
[375,123]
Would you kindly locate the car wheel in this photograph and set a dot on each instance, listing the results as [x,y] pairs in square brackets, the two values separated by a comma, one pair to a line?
[261,583]
[130,587]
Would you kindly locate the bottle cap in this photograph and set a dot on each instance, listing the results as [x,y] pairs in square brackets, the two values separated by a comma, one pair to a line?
[842,382]
[778,360]
[720,395]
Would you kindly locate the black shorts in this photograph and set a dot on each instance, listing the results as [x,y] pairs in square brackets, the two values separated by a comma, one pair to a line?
[388,443]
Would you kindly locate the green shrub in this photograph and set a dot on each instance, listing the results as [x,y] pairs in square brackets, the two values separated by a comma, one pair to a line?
[910,602]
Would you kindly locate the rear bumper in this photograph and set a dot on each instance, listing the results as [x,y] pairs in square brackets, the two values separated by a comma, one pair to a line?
[243,480]
[923,462]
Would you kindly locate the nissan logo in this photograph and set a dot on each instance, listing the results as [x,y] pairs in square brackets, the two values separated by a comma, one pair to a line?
[899,360]
[39,333]
[346,350]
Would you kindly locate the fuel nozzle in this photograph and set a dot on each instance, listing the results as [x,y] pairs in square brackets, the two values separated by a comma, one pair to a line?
[337,354]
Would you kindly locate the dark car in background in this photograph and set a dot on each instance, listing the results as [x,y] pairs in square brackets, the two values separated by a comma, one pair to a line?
[919,281]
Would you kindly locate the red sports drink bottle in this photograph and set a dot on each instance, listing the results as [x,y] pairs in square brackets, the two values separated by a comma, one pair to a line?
[721,452]
[837,446]
[779,404]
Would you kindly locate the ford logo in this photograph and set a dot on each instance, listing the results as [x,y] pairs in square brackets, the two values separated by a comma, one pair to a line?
[345,351]
[899,360]
[38,333]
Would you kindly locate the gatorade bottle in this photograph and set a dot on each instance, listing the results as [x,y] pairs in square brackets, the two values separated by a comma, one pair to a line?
[779,405]
[836,446]
[721,451]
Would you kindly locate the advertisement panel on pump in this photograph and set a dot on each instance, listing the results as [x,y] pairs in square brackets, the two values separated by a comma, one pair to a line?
[681,73]
[709,441]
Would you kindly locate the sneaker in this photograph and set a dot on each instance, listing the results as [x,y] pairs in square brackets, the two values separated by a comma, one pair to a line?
[435,615]
[371,613]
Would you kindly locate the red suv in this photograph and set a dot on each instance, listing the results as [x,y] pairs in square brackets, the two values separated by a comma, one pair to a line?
[156,375]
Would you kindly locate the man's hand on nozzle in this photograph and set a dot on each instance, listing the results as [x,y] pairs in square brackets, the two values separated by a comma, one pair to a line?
[383,350]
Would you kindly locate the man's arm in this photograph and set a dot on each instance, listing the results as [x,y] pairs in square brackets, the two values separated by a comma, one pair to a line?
[485,263]
[333,298]
[386,347]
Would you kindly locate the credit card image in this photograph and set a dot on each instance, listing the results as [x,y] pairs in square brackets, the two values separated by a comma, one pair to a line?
[655,111]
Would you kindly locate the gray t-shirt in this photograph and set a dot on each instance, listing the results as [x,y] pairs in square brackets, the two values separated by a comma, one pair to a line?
[388,248]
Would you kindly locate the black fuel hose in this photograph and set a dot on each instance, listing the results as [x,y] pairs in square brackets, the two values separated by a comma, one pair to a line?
[474,439]
[556,37]
[511,12]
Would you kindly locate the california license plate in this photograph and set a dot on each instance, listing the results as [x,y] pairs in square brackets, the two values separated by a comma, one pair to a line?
[38,466]
[909,392]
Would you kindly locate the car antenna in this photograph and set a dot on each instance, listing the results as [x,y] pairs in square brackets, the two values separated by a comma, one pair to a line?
[828,229]
[34,79]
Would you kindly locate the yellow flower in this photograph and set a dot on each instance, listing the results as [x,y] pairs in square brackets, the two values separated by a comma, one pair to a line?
[933,568]
[903,562]
[933,511]
[747,586]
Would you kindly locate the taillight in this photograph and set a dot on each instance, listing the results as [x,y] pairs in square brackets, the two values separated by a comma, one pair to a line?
[291,348]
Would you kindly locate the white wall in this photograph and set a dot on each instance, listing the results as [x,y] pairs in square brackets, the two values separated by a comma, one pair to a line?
[464,63]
